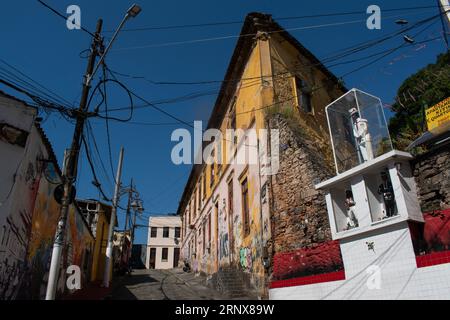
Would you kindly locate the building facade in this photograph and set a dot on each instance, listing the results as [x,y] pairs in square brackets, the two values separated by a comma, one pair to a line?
[163,245]
[256,199]
[98,217]
[29,174]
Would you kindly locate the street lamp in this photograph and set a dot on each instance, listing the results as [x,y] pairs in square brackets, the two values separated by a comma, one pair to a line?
[136,205]
[133,11]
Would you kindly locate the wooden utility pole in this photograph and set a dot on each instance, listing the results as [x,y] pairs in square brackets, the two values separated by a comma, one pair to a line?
[70,168]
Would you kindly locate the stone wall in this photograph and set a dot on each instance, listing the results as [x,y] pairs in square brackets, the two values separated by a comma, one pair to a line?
[432,173]
[299,215]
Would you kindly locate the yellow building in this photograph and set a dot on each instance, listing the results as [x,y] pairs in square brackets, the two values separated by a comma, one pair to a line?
[98,216]
[226,208]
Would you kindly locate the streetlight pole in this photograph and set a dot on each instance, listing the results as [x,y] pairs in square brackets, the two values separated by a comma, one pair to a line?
[69,174]
[112,222]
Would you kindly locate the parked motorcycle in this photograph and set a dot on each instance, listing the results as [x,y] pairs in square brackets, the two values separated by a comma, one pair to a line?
[187,266]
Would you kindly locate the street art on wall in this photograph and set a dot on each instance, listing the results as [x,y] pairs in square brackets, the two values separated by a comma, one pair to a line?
[29,228]
[224,245]
[246,261]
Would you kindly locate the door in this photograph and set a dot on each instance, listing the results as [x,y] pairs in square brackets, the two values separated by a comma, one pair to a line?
[152,258]
[176,257]
[230,221]
[216,227]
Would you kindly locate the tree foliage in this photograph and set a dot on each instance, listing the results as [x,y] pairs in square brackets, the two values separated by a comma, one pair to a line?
[421,90]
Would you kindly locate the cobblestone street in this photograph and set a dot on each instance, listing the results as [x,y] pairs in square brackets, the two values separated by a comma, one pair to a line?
[172,284]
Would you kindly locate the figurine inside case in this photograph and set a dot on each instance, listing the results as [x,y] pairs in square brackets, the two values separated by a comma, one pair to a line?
[358,129]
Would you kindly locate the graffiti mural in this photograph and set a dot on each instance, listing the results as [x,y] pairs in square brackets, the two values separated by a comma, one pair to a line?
[27,224]
[246,261]
[224,245]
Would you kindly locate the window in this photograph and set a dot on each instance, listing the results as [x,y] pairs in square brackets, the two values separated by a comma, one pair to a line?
[245,206]
[153,232]
[165,254]
[189,215]
[204,237]
[211,181]
[177,232]
[230,198]
[209,228]
[204,185]
[232,124]
[303,95]
[232,116]
[219,158]
[165,232]
[197,198]
[195,203]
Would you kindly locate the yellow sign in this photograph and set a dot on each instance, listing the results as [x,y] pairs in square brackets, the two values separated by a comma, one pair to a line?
[438,115]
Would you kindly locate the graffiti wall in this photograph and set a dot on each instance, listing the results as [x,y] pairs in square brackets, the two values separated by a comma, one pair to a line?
[28,220]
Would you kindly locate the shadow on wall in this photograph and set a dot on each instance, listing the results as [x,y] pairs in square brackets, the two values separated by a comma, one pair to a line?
[319,259]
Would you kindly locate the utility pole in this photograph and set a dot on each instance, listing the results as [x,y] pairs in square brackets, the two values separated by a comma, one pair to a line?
[444,10]
[69,174]
[130,195]
[112,222]
[133,229]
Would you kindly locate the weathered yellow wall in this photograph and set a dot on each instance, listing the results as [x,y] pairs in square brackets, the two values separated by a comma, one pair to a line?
[255,99]
[287,62]
[101,241]
[246,251]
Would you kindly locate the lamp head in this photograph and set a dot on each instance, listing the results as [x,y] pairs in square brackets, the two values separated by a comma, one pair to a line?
[134,10]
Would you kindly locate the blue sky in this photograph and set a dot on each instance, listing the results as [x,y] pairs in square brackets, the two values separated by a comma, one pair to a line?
[38,43]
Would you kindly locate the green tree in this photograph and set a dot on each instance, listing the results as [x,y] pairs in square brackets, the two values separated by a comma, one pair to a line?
[423,89]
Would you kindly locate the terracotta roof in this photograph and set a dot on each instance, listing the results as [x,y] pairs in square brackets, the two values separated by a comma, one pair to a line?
[254,22]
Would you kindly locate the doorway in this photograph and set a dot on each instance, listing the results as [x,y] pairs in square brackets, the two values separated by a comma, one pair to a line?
[152,258]
[176,257]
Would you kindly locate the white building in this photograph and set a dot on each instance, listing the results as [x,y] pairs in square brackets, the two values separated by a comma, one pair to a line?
[163,250]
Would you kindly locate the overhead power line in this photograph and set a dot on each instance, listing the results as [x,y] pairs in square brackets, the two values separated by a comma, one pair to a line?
[389,51]
[316,26]
[222,23]
[347,53]
[59,14]
[34,86]
[344,52]
[40,102]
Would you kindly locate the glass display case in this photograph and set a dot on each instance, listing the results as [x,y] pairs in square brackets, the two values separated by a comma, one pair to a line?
[358,129]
